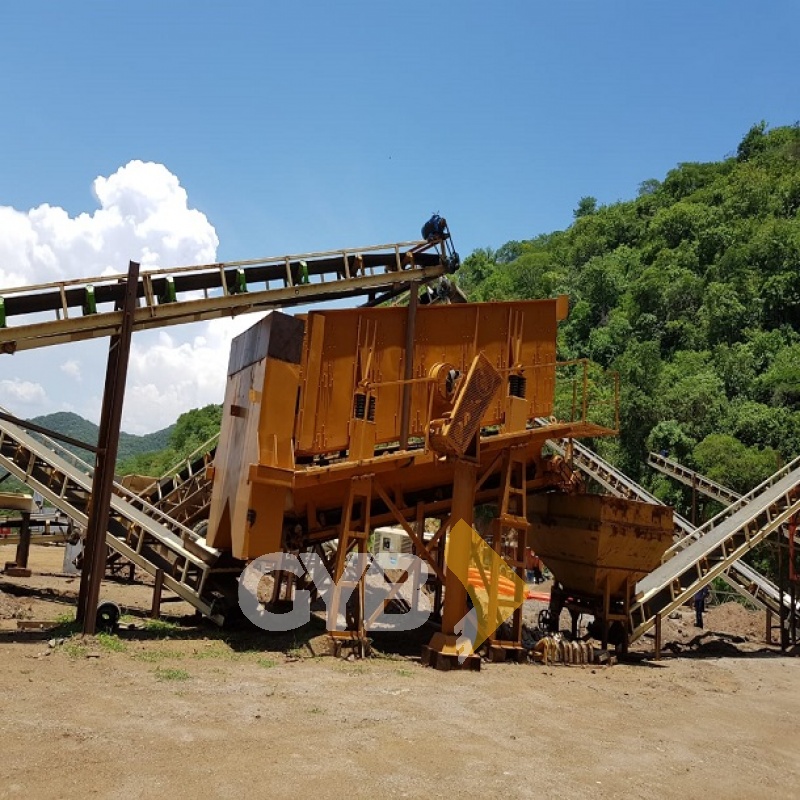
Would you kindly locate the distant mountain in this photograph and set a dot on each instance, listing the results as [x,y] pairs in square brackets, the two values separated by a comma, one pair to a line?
[76,427]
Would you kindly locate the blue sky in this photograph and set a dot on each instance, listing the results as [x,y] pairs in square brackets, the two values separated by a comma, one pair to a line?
[313,125]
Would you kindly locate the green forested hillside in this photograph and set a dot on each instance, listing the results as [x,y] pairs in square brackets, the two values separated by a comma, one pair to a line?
[692,292]
[192,429]
[130,445]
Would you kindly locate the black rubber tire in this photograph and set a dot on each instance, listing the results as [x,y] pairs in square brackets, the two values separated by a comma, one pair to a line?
[107,619]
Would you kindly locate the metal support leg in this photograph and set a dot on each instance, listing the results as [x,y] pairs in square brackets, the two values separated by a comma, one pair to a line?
[24,546]
[768,632]
[606,612]
[355,530]
[441,652]
[108,442]
[510,530]
[657,644]
[155,610]
[408,365]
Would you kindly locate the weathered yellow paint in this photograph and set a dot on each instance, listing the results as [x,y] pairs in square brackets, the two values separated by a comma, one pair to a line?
[298,430]
[588,540]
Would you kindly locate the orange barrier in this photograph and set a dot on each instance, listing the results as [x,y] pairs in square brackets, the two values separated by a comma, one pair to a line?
[505,586]
[542,597]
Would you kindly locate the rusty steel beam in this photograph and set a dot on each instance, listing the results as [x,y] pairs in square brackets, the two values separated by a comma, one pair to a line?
[108,443]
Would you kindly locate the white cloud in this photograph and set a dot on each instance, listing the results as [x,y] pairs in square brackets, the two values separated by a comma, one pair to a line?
[72,368]
[156,217]
[15,393]
[143,215]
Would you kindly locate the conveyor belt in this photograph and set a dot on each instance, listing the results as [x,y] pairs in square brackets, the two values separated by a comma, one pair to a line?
[88,308]
[184,491]
[759,588]
[704,485]
[715,547]
[137,531]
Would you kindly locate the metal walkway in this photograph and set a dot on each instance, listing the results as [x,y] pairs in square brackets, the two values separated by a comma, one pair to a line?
[137,531]
[702,484]
[87,308]
[693,562]
[741,577]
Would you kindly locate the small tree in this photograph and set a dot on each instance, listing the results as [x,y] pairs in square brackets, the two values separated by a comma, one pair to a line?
[586,206]
[754,142]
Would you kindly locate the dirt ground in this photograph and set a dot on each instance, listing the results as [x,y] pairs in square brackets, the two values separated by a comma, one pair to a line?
[180,709]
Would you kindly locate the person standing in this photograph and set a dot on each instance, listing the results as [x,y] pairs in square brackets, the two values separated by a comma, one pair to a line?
[533,567]
[700,606]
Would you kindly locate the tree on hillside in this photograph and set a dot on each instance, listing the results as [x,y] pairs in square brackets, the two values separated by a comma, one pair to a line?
[196,427]
[193,429]
[754,142]
[586,205]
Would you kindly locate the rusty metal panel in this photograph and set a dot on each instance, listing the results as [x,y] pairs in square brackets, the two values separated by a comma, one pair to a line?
[586,540]
[257,424]
[363,350]
[277,336]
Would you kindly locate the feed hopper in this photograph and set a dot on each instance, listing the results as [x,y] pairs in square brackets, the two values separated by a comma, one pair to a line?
[597,548]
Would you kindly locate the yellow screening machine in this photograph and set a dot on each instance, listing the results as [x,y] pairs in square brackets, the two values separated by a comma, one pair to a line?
[344,420]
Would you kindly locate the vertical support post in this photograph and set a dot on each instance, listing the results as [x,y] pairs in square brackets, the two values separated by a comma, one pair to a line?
[782,610]
[408,364]
[442,651]
[606,612]
[629,587]
[794,578]
[24,545]
[768,632]
[574,401]
[155,610]
[354,529]
[657,644]
[585,390]
[437,589]
[458,545]
[694,499]
[512,516]
[105,460]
